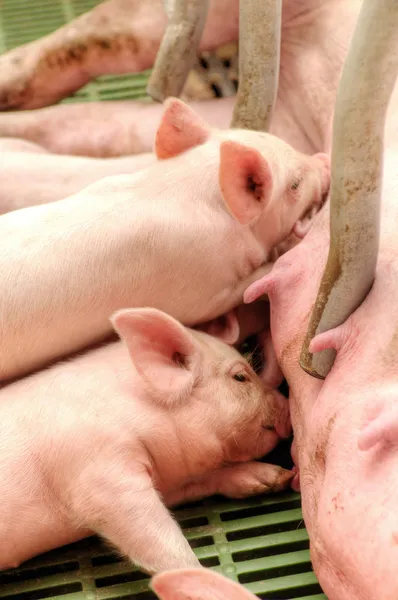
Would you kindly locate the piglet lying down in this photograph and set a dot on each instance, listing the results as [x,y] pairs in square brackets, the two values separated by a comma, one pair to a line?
[186,235]
[113,436]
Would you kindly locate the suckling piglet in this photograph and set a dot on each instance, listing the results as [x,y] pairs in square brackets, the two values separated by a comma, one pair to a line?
[187,236]
[113,436]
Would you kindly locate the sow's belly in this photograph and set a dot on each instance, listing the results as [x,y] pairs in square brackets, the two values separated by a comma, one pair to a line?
[350,499]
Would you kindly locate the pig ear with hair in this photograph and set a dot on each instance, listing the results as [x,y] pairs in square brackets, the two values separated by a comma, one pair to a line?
[197,584]
[164,353]
[180,129]
[245,180]
[225,328]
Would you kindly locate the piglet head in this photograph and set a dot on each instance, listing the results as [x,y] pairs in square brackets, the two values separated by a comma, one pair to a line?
[271,186]
[197,584]
[211,385]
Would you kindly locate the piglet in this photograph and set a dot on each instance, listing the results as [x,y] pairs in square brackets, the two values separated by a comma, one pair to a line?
[197,584]
[112,436]
[186,235]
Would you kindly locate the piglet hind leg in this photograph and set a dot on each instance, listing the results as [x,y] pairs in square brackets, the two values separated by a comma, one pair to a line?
[117,36]
[123,506]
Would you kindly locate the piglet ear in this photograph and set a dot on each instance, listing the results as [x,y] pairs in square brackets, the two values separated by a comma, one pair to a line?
[304,224]
[245,180]
[197,584]
[163,352]
[180,129]
[320,164]
[225,328]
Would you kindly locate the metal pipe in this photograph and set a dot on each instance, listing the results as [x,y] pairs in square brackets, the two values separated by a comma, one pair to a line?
[366,85]
[179,47]
[259,57]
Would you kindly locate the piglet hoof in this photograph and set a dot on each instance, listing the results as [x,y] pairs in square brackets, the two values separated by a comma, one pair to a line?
[253,479]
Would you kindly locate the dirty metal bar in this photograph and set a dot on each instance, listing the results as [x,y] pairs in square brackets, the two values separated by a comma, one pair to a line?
[366,85]
[179,47]
[259,56]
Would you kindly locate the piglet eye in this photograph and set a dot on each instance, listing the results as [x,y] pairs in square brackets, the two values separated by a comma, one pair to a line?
[240,377]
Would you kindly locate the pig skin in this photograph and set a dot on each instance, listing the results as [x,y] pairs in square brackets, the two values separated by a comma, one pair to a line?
[315,39]
[108,436]
[32,176]
[349,494]
[186,235]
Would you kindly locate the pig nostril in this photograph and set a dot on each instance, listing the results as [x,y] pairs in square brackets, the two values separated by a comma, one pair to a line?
[216,90]
[179,359]
[203,62]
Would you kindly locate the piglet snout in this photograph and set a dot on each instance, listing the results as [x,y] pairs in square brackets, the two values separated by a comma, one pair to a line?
[282,423]
[323,164]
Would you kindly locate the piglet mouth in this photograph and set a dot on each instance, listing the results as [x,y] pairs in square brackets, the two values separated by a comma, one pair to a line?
[282,430]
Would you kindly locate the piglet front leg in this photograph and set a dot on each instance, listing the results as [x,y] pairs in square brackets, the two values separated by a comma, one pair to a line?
[242,480]
[120,503]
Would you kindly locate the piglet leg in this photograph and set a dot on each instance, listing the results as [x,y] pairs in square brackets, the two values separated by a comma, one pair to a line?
[236,481]
[102,129]
[122,505]
[117,36]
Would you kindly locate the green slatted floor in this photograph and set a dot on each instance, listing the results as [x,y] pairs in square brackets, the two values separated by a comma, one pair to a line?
[262,542]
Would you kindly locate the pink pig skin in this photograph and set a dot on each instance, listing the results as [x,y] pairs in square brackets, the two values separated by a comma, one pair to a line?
[314,40]
[187,235]
[31,176]
[170,414]
[344,426]
[197,584]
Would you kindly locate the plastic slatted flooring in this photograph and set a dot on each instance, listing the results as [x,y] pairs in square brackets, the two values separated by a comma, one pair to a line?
[261,542]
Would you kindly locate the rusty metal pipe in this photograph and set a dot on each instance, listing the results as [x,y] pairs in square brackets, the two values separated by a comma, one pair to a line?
[259,57]
[179,47]
[366,85]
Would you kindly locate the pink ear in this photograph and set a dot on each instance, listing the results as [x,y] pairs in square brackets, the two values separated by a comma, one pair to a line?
[180,129]
[197,584]
[324,160]
[259,288]
[163,352]
[304,224]
[245,180]
[225,328]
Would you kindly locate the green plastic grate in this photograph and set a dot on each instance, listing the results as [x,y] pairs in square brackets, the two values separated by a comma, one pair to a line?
[261,542]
